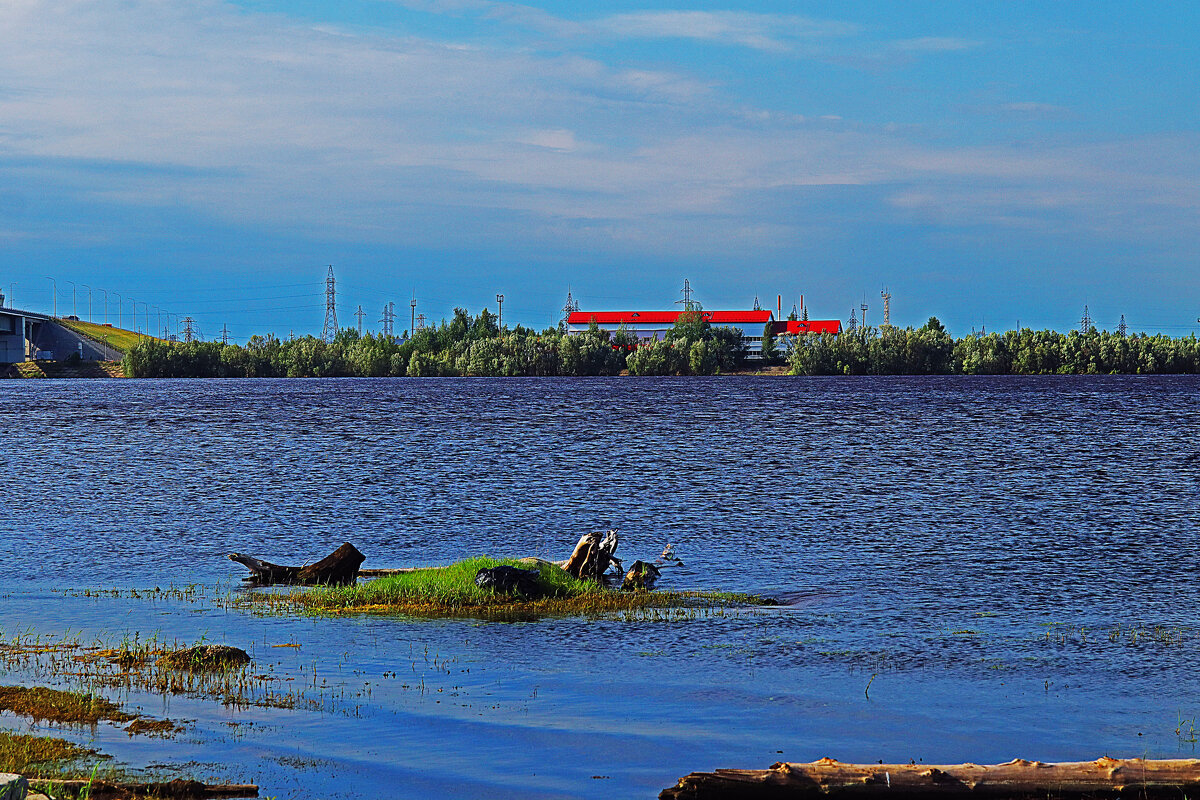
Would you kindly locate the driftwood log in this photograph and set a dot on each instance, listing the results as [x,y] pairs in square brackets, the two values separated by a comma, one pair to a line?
[593,555]
[1102,778]
[339,567]
[175,790]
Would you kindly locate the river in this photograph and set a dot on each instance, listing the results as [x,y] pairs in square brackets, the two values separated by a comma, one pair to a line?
[972,569]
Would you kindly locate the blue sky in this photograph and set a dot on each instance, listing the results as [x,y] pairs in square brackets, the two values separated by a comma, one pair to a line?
[988,163]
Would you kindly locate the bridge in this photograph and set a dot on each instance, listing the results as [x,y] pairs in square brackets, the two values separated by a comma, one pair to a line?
[26,335]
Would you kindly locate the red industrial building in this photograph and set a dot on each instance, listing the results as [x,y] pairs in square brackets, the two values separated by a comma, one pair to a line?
[650,326]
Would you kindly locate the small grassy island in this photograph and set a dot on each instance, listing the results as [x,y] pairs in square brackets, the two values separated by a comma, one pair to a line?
[450,591]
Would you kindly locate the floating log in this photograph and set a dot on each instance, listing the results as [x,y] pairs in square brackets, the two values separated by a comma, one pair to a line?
[339,567]
[592,555]
[174,790]
[1102,778]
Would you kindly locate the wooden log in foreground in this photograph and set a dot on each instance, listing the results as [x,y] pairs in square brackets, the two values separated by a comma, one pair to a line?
[340,566]
[172,790]
[1102,778]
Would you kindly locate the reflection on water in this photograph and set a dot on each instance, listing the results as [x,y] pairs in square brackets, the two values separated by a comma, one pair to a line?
[1007,562]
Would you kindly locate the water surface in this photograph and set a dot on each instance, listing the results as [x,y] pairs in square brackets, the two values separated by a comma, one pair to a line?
[977,550]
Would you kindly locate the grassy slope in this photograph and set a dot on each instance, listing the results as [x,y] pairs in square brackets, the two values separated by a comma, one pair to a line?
[118,338]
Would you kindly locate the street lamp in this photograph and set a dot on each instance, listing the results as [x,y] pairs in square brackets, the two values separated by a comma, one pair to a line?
[84,285]
[135,325]
[120,310]
[105,292]
[500,318]
[74,313]
[54,288]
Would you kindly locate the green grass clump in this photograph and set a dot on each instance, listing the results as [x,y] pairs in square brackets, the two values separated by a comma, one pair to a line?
[451,591]
[452,585]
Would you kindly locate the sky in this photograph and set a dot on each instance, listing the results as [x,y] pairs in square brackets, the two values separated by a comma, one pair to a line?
[991,163]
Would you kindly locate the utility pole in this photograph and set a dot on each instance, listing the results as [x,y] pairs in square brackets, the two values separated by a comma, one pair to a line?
[105,292]
[863,321]
[887,307]
[120,310]
[84,285]
[1085,324]
[360,314]
[54,288]
[188,334]
[757,307]
[420,322]
[500,318]
[224,334]
[331,327]
[852,324]
[1121,329]
[412,304]
[74,313]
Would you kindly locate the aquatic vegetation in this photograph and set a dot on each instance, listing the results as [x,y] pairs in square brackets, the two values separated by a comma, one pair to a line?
[40,756]
[54,705]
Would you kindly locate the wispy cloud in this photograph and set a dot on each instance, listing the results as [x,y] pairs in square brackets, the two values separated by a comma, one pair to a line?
[264,121]
[935,44]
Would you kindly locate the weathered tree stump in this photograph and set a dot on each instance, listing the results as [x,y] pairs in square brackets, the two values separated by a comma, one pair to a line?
[640,578]
[510,580]
[1102,778]
[593,555]
[339,567]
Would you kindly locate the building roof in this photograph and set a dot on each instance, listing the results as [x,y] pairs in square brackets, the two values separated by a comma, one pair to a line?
[666,317]
[788,327]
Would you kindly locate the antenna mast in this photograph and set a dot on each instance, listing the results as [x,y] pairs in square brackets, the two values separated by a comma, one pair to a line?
[887,307]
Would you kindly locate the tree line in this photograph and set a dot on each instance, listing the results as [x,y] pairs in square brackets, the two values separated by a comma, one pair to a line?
[468,345]
[930,350]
